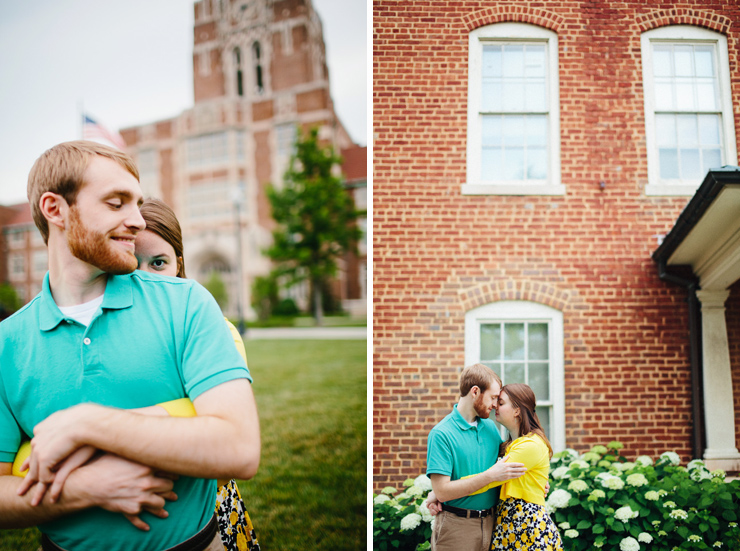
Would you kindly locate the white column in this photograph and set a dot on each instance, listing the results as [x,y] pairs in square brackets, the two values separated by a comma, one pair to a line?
[719,412]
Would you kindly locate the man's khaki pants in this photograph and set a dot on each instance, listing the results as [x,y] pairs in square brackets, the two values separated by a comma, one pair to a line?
[453,533]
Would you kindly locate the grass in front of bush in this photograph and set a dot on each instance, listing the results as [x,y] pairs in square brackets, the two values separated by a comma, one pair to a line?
[310,491]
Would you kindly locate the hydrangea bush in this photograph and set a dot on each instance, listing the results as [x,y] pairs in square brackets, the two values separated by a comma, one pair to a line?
[401,520]
[599,500]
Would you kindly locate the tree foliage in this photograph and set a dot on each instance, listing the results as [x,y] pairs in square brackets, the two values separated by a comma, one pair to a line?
[216,286]
[315,215]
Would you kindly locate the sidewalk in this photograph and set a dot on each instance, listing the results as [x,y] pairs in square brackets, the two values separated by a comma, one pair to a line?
[326,333]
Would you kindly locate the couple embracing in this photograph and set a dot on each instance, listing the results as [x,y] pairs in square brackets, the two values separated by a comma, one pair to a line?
[490,494]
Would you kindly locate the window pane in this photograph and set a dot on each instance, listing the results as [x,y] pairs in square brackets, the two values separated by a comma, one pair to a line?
[690,165]
[682,59]
[706,96]
[538,341]
[513,61]
[534,60]
[536,163]
[704,62]
[512,95]
[539,380]
[491,130]
[514,341]
[709,129]
[513,131]
[534,96]
[513,373]
[663,96]
[668,163]
[665,130]
[490,341]
[492,61]
[491,96]
[684,95]
[544,414]
[491,163]
[687,132]
[662,61]
[711,158]
[513,163]
[536,128]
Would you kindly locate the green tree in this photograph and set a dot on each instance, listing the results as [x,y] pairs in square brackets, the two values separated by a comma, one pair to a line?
[217,288]
[9,300]
[265,295]
[316,218]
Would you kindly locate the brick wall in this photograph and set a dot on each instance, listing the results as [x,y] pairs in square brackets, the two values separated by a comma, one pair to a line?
[438,253]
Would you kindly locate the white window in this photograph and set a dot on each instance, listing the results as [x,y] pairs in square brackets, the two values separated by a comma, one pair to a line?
[40,262]
[18,266]
[689,124]
[285,137]
[210,201]
[513,111]
[522,342]
[207,149]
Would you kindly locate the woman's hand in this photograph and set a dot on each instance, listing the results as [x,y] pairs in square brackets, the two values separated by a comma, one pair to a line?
[433,504]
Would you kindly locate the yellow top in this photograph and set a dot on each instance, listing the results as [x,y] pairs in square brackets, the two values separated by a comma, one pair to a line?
[534,453]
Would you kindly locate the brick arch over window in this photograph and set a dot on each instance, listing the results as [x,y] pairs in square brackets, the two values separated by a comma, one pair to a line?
[684,16]
[534,291]
[513,13]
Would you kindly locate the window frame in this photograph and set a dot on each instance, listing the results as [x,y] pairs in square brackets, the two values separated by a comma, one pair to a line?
[519,311]
[689,35]
[507,33]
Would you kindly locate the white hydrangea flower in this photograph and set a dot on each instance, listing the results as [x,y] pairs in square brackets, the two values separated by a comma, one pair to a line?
[626,466]
[718,473]
[599,544]
[604,464]
[410,521]
[578,486]
[695,464]
[424,482]
[679,514]
[560,472]
[571,533]
[717,544]
[652,495]
[699,474]
[625,513]
[661,533]
[382,498]
[423,510]
[414,491]
[564,525]
[596,495]
[644,460]
[644,537]
[637,480]
[672,457]
[388,490]
[573,454]
[694,537]
[559,499]
[614,483]
[549,509]
[662,493]
[601,450]
[629,544]
[732,525]
[655,523]
[579,463]
[669,504]
[591,457]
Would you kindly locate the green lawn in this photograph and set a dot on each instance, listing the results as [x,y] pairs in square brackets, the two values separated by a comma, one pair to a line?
[310,491]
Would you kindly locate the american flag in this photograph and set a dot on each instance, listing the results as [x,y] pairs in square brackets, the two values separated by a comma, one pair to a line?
[91,130]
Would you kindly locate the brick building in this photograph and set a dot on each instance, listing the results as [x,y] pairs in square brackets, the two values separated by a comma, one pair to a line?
[259,72]
[532,164]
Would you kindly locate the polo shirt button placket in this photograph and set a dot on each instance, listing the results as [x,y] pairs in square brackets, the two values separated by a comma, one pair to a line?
[86,340]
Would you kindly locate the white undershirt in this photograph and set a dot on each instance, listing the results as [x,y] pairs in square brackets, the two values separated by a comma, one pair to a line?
[83,313]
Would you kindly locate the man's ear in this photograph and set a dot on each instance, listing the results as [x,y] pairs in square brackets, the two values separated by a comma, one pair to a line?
[474,391]
[54,208]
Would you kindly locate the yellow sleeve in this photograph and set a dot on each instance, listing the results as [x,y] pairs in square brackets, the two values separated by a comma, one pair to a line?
[23,452]
[521,450]
[237,340]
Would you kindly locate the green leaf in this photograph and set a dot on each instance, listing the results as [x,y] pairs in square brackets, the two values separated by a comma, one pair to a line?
[583,525]
[703,527]
[682,531]
[618,527]
[598,529]
[728,515]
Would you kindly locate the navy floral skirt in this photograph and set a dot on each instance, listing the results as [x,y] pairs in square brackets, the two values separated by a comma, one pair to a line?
[521,526]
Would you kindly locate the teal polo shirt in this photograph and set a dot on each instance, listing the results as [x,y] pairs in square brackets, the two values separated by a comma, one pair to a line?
[456,449]
[153,339]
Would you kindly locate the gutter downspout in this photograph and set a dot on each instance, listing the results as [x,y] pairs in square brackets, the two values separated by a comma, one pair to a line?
[698,436]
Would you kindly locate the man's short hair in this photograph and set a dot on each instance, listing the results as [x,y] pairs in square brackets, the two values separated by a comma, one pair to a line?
[60,170]
[478,375]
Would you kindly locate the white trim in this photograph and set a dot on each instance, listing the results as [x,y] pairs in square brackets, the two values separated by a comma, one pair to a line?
[678,33]
[500,32]
[522,310]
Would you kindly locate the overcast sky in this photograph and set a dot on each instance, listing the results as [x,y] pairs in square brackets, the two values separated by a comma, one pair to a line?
[129,63]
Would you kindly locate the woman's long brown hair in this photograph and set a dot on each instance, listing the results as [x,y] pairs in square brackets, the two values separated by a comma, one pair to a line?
[522,397]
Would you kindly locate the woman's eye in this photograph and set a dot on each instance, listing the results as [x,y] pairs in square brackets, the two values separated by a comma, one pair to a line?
[158,263]
[115,205]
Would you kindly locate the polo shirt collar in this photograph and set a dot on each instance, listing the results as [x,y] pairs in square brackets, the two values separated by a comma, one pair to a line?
[460,420]
[118,295]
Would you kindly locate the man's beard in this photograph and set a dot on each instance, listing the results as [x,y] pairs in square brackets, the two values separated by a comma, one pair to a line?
[95,248]
[480,410]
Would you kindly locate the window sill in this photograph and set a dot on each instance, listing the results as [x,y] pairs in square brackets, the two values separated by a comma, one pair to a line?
[670,190]
[512,189]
